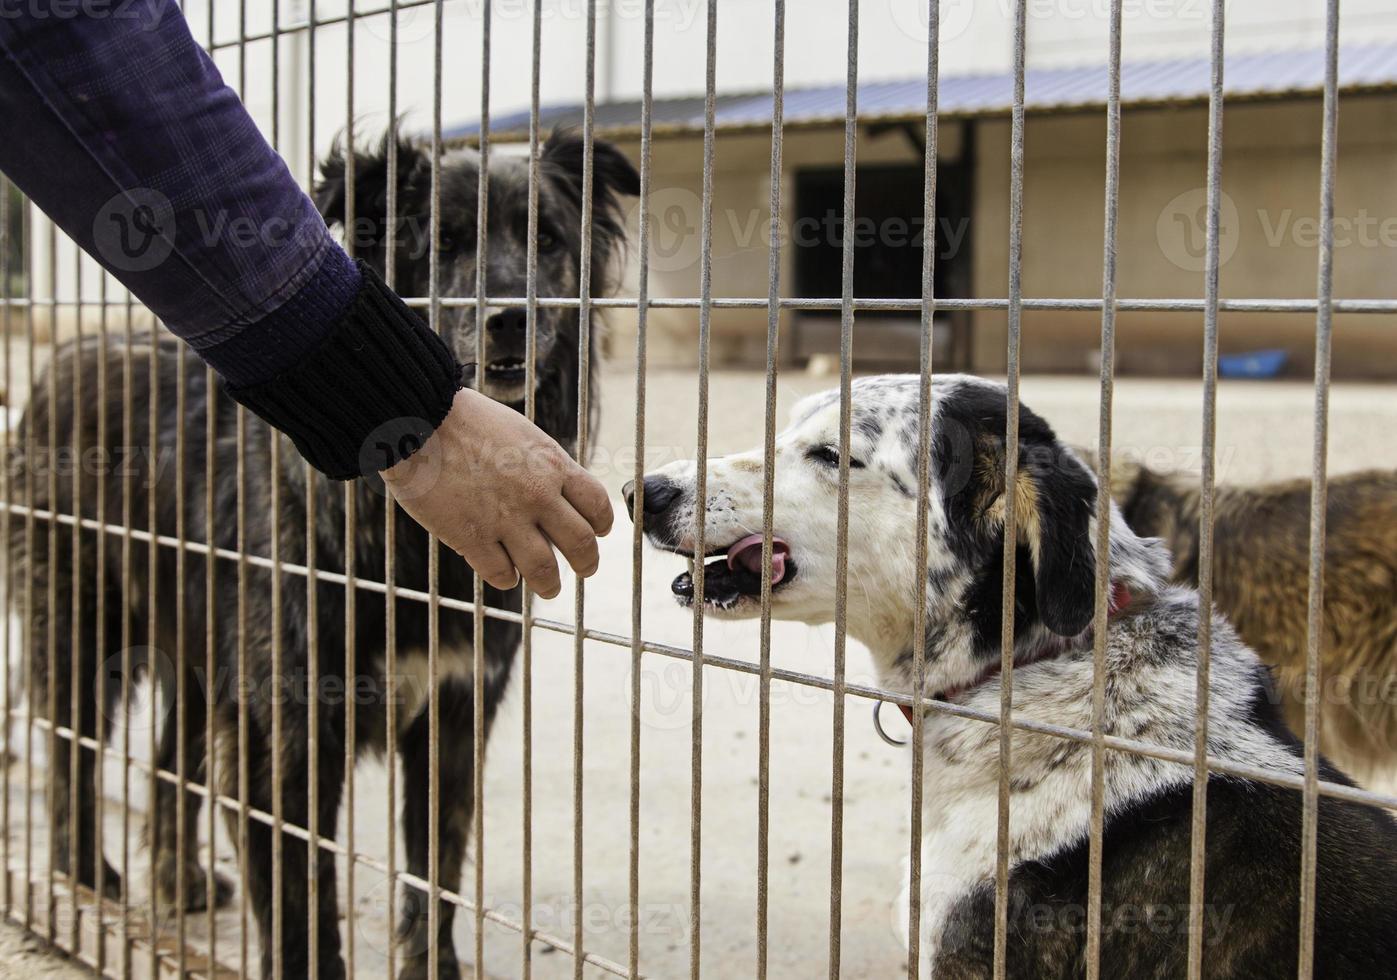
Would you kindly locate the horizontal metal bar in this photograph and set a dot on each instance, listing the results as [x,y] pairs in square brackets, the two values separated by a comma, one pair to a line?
[778,673]
[869,304]
[300,833]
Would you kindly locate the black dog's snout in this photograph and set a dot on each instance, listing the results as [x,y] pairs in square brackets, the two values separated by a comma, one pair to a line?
[512,319]
[659,494]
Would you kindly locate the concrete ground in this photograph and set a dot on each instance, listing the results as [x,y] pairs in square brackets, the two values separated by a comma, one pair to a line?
[1264,432]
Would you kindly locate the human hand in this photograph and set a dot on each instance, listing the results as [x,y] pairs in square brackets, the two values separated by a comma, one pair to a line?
[496,489]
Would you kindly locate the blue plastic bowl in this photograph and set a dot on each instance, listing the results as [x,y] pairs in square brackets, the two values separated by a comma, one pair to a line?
[1253,364]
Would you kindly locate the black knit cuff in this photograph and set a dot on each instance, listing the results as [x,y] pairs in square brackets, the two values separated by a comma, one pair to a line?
[369,395]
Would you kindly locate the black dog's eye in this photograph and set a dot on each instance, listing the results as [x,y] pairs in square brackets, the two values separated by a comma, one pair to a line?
[546,241]
[829,456]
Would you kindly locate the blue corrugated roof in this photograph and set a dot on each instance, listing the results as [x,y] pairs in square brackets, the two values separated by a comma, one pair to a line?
[1248,75]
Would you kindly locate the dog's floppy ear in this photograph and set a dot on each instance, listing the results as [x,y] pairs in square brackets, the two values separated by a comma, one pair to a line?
[612,173]
[1060,496]
[613,177]
[371,190]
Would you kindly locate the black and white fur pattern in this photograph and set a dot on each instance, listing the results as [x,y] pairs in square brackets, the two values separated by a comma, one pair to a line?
[1251,915]
[245,627]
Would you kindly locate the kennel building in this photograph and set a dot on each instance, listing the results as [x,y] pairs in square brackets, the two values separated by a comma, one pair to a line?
[543,836]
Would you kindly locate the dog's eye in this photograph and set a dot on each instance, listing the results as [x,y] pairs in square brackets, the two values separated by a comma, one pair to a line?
[829,456]
[546,241]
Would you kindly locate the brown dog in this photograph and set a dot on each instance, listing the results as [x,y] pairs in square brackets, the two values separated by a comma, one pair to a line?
[1261,583]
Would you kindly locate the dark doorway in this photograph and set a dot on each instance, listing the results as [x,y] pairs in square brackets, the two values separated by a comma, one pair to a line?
[888,238]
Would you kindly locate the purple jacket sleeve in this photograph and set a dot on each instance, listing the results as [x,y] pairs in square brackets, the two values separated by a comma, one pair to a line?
[122,131]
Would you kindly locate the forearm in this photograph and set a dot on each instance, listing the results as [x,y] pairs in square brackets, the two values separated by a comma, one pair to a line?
[122,131]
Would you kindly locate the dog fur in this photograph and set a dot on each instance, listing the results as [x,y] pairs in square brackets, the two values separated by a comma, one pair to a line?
[1261,556]
[140,597]
[1252,901]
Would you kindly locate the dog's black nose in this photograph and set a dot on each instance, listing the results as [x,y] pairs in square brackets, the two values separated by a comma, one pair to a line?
[659,494]
[512,319]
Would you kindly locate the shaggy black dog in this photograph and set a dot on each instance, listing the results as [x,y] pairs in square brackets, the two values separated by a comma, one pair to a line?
[272,504]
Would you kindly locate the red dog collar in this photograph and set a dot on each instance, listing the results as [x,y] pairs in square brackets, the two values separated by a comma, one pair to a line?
[1120,601]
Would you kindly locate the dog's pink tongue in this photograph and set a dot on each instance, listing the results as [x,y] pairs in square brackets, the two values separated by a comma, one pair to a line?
[748,554]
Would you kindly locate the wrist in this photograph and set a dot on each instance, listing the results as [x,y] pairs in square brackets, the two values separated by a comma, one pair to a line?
[370,395]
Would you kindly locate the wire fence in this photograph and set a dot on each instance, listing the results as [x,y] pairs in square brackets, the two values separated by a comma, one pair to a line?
[117,935]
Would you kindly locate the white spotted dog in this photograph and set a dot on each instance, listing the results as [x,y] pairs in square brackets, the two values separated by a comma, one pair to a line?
[1251,920]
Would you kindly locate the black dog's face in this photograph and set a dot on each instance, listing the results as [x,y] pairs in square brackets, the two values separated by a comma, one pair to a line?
[559,243]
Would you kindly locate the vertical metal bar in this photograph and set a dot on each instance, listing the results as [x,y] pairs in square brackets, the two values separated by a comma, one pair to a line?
[390,521]
[1212,264]
[51,599]
[526,653]
[922,559]
[841,547]
[153,651]
[210,629]
[1011,477]
[584,375]
[637,532]
[773,338]
[433,551]
[351,522]
[181,659]
[128,499]
[27,238]
[6,323]
[701,496]
[1324,325]
[482,284]
[1103,496]
[75,627]
[240,477]
[244,734]
[278,689]
[99,779]
[312,594]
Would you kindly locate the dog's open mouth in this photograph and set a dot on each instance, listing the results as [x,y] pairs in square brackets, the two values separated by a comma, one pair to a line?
[736,573]
[510,370]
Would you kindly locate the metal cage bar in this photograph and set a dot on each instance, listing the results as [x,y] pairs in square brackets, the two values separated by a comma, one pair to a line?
[701,496]
[1212,264]
[638,535]
[1096,828]
[69,734]
[1011,482]
[1324,330]
[922,559]
[773,337]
